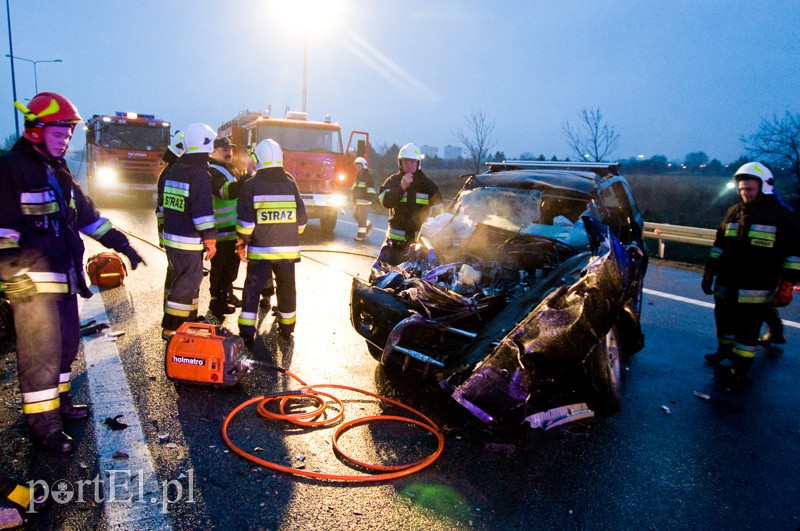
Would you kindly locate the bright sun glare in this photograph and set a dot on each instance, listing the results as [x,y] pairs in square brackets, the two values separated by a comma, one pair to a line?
[312,15]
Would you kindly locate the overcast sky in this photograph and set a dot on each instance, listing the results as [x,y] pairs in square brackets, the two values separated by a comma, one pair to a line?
[671,77]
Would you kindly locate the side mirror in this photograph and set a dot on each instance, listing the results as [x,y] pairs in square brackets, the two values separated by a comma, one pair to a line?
[361,148]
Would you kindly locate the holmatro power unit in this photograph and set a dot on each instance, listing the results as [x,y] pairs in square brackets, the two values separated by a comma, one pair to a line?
[202,353]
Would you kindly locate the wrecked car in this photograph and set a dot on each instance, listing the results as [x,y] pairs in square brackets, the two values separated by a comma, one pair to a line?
[523,296]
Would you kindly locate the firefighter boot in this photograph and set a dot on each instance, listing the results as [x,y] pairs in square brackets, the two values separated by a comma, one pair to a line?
[71,412]
[46,432]
[735,376]
[723,352]
[219,306]
[286,330]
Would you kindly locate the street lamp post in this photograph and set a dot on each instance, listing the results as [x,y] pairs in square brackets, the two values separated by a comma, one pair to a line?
[35,75]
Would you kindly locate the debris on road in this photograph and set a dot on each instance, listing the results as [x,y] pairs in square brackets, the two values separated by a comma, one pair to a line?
[114,423]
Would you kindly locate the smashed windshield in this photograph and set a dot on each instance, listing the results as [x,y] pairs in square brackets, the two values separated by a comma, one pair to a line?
[522,211]
[303,138]
[129,136]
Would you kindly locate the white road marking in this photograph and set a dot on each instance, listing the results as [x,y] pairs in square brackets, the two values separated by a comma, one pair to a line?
[704,304]
[137,492]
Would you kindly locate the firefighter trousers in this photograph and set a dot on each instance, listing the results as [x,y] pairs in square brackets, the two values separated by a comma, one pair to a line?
[393,251]
[258,272]
[361,214]
[48,335]
[738,329]
[184,293]
[224,270]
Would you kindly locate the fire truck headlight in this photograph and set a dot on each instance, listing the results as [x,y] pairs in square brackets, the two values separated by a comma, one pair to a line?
[106,174]
[337,200]
[341,177]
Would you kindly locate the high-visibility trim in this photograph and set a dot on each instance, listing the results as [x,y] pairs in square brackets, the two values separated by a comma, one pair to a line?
[744,351]
[247,318]
[362,231]
[184,243]
[176,188]
[754,296]
[422,199]
[301,228]
[21,495]
[290,252]
[9,238]
[396,234]
[716,252]
[64,387]
[361,184]
[64,377]
[40,401]
[382,196]
[371,191]
[363,202]
[731,230]
[227,235]
[792,263]
[287,318]
[763,231]
[269,198]
[41,407]
[725,340]
[179,309]
[245,227]
[47,282]
[204,222]
[98,229]
[260,205]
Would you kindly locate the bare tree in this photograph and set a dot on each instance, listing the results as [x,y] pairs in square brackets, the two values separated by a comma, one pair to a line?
[593,139]
[777,142]
[477,139]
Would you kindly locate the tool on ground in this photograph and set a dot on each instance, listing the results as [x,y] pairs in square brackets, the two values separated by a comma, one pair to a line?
[202,353]
[106,270]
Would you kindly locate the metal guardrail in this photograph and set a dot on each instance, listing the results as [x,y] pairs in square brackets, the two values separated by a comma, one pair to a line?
[664,232]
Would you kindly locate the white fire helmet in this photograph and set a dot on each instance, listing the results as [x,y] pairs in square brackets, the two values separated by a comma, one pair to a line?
[269,154]
[199,138]
[756,170]
[177,144]
[362,161]
[410,151]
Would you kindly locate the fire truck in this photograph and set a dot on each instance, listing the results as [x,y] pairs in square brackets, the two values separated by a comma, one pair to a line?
[123,153]
[312,154]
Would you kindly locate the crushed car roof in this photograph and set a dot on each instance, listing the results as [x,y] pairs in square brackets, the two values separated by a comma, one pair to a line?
[576,181]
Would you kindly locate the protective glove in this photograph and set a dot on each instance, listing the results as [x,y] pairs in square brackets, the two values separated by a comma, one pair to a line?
[783,296]
[241,250]
[211,249]
[133,256]
[19,288]
[708,283]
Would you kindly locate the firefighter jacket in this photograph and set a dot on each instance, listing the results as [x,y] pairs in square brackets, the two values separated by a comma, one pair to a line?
[271,216]
[225,189]
[363,191]
[757,246]
[187,202]
[42,211]
[408,208]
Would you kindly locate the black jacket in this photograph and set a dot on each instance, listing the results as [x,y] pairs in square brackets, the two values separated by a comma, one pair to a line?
[411,207]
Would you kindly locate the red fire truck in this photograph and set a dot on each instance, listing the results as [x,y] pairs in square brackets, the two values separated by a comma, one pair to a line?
[312,153]
[123,153]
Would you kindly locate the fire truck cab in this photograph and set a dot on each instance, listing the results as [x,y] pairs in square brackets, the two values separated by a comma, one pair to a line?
[123,153]
[313,154]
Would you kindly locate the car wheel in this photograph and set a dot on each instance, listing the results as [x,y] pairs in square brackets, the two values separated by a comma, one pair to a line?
[606,374]
[328,221]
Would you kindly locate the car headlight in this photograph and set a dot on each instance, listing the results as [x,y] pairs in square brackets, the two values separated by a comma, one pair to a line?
[106,174]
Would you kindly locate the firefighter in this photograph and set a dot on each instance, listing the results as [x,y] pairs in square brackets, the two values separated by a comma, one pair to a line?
[363,193]
[188,226]
[754,262]
[42,211]
[271,217]
[410,195]
[225,185]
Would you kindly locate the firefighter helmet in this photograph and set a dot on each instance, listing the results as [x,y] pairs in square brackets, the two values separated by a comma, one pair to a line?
[47,108]
[362,161]
[177,144]
[199,138]
[410,151]
[268,154]
[756,170]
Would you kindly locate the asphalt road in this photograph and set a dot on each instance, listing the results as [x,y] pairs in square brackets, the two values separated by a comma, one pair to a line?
[668,460]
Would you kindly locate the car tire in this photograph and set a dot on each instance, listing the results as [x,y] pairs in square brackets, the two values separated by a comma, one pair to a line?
[604,367]
[327,221]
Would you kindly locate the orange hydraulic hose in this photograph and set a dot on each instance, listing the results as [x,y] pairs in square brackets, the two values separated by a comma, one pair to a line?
[310,392]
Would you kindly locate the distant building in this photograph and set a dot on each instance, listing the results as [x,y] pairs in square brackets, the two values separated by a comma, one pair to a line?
[429,151]
[452,152]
